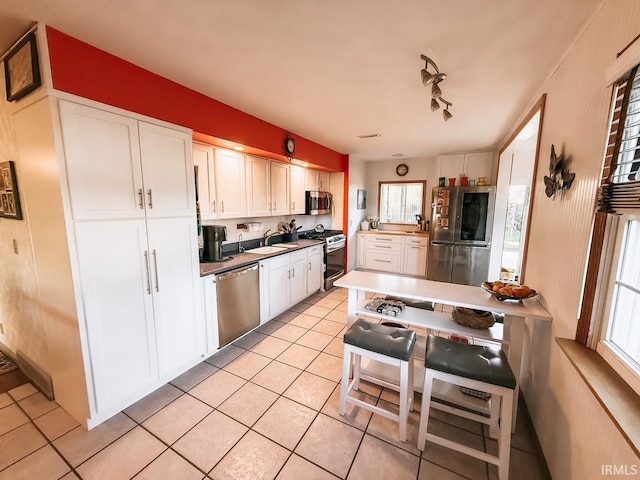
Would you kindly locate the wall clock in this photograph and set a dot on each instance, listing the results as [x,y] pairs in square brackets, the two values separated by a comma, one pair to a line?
[289,147]
[402,170]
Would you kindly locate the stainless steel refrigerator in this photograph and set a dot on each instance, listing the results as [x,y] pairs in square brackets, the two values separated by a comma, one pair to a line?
[460,235]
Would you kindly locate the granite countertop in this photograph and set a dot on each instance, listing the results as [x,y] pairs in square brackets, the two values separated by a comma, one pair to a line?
[395,232]
[242,259]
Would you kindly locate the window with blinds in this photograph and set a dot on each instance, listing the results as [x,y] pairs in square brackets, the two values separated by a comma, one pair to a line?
[620,185]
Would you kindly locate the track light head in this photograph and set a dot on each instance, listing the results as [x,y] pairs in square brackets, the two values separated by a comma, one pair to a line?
[434,105]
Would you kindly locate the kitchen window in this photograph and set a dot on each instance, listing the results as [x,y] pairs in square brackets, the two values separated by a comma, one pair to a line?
[400,202]
[610,313]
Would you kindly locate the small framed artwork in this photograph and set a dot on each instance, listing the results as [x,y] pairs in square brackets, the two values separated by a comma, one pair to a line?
[21,68]
[362,199]
[9,196]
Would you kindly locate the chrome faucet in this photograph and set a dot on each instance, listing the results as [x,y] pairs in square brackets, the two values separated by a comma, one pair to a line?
[267,236]
[240,246]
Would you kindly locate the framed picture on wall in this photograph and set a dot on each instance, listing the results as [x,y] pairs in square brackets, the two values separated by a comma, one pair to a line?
[362,199]
[21,68]
[9,196]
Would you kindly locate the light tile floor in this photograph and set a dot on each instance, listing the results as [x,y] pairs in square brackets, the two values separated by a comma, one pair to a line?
[265,407]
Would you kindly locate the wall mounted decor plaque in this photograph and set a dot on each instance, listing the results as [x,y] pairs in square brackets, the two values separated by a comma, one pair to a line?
[9,196]
[21,68]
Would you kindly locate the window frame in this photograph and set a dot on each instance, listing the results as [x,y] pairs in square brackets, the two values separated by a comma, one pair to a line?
[616,230]
[423,183]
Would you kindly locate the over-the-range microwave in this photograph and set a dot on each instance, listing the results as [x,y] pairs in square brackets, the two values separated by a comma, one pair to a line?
[317,203]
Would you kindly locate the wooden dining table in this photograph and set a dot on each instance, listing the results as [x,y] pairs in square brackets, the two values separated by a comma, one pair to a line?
[510,333]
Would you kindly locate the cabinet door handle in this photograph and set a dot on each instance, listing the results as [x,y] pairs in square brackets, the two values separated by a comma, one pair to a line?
[289,274]
[382,246]
[383,261]
[146,262]
[293,205]
[141,199]
[150,198]
[155,264]
[309,266]
[383,239]
[293,273]
[213,206]
[222,206]
[274,206]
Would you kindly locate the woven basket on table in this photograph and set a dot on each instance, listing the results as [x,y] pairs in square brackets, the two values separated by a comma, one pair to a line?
[468,317]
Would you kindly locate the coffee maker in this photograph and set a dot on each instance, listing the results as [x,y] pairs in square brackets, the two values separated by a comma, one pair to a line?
[213,236]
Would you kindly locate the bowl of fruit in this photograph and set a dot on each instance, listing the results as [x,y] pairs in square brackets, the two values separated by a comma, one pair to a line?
[507,291]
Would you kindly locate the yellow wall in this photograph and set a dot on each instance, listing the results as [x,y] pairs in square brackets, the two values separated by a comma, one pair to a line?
[576,434]
[19,304]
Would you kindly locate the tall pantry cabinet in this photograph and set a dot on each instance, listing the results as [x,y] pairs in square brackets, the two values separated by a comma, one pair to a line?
[118,192]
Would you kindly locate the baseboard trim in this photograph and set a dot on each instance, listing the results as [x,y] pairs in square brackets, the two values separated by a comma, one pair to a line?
[40,378]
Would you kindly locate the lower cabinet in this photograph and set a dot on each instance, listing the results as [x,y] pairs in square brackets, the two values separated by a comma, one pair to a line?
[414,256]
[141,303]
[315,269]
[392,253]
[292,277]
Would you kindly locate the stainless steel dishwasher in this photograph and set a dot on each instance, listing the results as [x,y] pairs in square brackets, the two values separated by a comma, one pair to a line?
[238,295]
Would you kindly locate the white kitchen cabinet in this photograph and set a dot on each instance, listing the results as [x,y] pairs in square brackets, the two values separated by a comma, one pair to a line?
[297,179]
[119,167]
[315,269]
[203,158]
[258,186]
[279,188]
[115,278]
[317,180]
[173,256]
[267,187]
[124,274]
[414,256]
[140,293]
[279,285]
[230,178]
[393,253]
[298,283]
[167,171]
[474,165]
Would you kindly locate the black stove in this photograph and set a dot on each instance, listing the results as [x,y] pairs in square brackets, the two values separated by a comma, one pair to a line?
[334,243]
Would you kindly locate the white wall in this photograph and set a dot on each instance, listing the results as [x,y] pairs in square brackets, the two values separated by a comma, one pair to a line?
[419,169]
[357,181]
[576,435]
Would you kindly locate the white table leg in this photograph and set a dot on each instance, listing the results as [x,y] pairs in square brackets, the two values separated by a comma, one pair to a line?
[514,332]
[354,296]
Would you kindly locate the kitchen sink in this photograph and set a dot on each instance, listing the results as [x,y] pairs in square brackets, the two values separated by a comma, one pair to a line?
[287,245]
[266,250]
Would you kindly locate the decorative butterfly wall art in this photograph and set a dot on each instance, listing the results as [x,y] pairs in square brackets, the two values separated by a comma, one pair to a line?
[559,179]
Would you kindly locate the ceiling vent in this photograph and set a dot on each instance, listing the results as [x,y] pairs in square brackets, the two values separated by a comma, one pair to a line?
[371,135]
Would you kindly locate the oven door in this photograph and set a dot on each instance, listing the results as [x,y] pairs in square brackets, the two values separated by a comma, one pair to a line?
[334,261]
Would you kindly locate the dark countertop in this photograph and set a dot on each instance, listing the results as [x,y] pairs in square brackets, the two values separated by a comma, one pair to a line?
[242,259]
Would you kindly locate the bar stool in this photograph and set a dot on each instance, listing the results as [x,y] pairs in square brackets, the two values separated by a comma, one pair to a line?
[390,345]
[478,368]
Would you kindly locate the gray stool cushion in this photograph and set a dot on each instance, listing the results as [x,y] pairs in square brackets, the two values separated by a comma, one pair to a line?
[476,362]
[390,341]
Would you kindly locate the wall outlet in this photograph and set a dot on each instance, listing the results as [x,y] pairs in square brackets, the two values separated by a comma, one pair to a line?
[15,246]
[1,329]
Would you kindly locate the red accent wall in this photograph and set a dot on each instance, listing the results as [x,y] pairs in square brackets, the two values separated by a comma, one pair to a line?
[89,72]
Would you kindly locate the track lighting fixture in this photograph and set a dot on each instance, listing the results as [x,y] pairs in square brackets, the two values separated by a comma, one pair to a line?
[434,79]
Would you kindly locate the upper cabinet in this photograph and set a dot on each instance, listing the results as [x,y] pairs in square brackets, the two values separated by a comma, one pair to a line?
[119,167]
[203,159]
[297,179]
[230,183]
[317,180]
[474,165]
[267,187]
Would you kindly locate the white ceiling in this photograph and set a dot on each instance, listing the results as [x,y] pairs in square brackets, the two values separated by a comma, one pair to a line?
[334,69]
